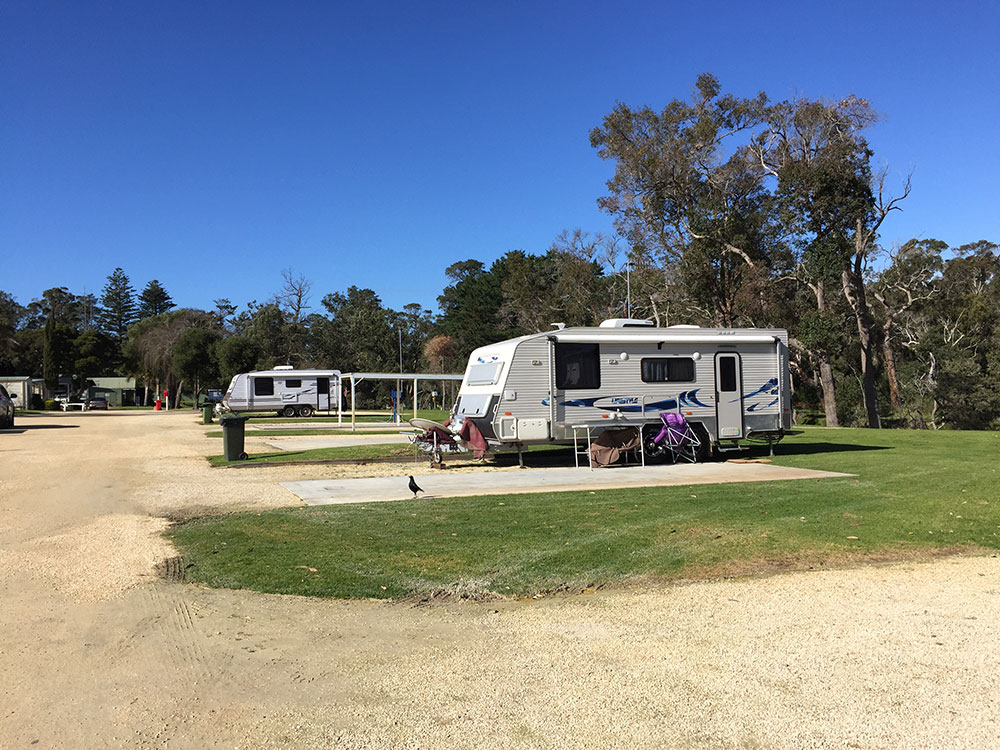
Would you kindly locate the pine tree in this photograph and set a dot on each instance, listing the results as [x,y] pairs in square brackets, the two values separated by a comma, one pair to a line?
[118,305]
[154,300]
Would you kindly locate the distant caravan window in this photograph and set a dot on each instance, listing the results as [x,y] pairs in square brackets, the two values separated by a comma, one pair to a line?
[322,385]
[667,370]
[263,386]
[578,366]
[293,383]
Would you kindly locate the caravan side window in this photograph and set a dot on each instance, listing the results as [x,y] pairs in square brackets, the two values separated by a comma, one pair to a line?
[578,366]
[667,370]
[263,386]
[290,383]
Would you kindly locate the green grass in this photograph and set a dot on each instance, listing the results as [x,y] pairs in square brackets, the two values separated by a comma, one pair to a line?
[438,415]
[319,431]
[916,494]
[380,450]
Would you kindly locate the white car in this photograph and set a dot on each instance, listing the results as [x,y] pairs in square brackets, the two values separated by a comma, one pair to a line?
[6,409]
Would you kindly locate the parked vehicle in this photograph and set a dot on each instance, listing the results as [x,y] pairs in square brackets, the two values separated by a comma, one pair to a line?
[6,408]
[285,391]
[731,384]
[98,402]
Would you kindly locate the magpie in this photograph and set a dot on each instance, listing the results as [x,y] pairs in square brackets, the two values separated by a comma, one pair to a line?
[413,487]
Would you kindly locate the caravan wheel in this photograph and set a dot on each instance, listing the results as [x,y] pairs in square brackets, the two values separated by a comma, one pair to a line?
[288,411]
[305,411]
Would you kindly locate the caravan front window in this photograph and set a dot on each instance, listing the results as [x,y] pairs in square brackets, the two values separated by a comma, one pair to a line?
[263,386]
[485,373]
[578,366]
[289,383]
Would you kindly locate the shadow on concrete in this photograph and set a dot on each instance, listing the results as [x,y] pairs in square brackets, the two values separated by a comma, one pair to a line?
[17,430]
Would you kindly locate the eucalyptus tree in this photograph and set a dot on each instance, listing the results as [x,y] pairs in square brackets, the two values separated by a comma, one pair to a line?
[689,191]
[908,281]
[820,163]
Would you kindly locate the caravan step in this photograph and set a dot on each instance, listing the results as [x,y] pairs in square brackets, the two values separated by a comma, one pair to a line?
[732,446]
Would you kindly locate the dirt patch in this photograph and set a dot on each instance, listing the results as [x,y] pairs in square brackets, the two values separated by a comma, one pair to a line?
[100,651]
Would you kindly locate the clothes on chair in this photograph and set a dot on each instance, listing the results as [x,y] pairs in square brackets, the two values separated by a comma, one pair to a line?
[610,444]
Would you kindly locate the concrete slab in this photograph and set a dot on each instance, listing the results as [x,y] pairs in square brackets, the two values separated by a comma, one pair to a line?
[306,444]
[313,425]
[445,484]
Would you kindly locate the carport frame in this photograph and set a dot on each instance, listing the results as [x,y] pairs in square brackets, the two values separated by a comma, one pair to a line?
[399,377]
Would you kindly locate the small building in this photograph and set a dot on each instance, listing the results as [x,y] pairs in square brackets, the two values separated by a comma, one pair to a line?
[20,385]
[118,391]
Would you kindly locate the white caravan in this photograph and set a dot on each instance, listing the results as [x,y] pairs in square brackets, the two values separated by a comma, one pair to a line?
[285,391]
[730,384]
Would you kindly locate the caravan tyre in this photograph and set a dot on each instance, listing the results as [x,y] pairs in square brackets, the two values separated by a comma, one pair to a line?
[288,411]
[706,451]
[305,411]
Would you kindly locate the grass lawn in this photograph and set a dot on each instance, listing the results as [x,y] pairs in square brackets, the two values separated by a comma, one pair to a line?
[917,494]
[314,432]
[381,450]
[438,415]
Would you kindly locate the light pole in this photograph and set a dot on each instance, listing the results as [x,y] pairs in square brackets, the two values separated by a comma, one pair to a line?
[628,287]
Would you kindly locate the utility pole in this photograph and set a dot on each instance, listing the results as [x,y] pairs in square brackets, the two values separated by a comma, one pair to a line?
[628,287]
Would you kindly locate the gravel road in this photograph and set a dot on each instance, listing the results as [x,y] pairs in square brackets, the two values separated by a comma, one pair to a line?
[97,651]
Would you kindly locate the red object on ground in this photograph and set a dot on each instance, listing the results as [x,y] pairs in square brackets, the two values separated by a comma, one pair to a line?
[473,438]
[157,405]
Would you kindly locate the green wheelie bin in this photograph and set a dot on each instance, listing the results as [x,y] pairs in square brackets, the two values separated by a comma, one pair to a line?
[233,436]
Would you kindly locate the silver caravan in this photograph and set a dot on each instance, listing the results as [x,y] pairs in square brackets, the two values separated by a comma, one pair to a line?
[730,384]
[285,391]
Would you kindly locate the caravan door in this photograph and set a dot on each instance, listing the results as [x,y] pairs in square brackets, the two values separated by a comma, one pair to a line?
[729,395]
[322,394]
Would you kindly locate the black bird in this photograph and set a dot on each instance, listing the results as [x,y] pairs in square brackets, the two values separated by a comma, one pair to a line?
[414,488]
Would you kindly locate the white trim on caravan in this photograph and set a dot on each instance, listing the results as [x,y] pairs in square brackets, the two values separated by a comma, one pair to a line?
[285,391]
[731,384]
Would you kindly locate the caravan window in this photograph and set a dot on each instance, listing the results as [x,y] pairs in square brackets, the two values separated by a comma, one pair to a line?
[667,370]
[293,383]
[578,366]
[486,373]
[263,386]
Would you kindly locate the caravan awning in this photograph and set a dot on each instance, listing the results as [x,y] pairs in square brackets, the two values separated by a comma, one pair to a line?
[651,337]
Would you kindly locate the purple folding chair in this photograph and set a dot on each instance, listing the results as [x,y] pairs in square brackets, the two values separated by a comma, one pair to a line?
[677,437]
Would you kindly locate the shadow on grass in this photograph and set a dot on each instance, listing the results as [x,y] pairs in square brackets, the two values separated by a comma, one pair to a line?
[809,449]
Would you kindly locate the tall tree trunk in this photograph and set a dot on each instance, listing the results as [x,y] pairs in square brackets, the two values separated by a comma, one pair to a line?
[854,290]
[890,365]
[826,385]
[825,370]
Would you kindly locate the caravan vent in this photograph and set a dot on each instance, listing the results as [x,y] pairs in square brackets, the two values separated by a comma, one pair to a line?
[283,367]
[626,323]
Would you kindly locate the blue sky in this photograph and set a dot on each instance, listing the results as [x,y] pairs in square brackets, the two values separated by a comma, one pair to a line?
[211,145]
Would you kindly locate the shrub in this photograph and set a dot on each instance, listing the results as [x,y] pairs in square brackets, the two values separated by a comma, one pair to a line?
[51,404]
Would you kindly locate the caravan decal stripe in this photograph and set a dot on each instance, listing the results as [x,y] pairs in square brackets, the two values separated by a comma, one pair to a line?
[690,398]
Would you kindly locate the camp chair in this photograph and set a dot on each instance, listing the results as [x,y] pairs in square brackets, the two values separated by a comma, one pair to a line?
[678,438]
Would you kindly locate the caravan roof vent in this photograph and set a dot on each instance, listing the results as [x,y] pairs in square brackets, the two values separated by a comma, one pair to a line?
[684,325]
[626,323]
[283,367]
